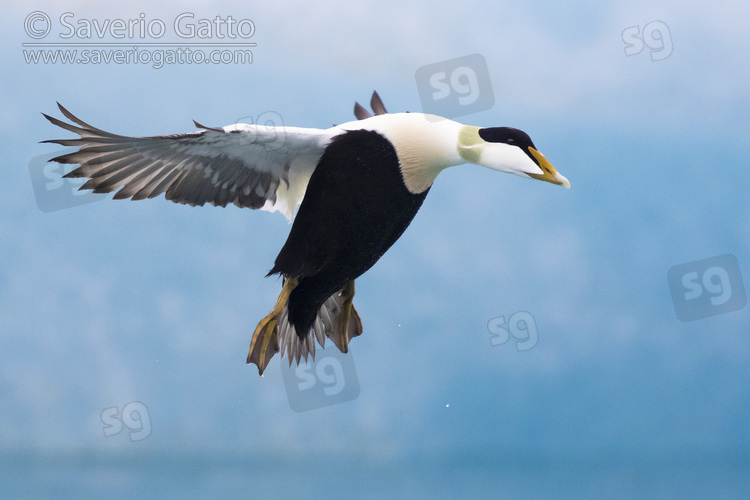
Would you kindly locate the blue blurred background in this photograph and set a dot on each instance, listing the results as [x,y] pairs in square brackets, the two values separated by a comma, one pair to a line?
[152,304]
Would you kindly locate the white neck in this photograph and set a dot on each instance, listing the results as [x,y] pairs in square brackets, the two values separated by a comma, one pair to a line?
[425,144]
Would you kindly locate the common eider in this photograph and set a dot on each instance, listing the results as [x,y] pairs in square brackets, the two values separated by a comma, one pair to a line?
[357,185]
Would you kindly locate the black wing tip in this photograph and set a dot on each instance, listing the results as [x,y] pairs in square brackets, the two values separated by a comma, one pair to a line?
[52,119]
[70,116]
[79,127]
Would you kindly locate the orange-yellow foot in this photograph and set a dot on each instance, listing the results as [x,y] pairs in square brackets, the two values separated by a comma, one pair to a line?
[349,323]
[265,343]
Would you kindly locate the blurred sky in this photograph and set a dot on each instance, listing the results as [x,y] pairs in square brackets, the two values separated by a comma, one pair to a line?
[108,303]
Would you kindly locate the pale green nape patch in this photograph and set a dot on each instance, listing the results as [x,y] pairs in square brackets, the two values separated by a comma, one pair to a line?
[468,140]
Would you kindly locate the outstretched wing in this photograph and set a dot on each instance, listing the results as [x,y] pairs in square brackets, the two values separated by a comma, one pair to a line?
[251,166]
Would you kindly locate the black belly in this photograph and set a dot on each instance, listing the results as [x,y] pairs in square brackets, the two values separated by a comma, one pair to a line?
[356,206]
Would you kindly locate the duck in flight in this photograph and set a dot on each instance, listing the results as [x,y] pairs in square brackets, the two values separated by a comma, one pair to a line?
[355,188]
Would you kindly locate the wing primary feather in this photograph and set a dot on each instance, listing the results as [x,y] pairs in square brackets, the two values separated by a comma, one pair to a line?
[70,116]
[122,175]
[66,126]
[162,184]
[137,183]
